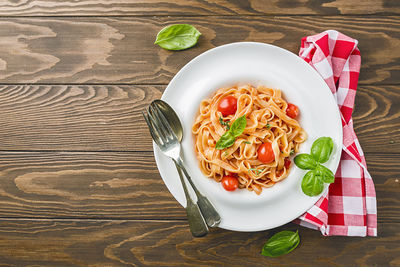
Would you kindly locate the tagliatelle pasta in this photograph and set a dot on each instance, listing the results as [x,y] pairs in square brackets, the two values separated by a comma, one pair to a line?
[267,121]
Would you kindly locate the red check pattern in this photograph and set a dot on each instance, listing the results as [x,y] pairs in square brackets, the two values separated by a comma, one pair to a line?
[349,206]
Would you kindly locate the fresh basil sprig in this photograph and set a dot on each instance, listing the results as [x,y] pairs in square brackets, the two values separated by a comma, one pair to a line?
[229,137]
[313,182]
[281,243]
[325,174]
[177,37]
[321,149]
[305,162]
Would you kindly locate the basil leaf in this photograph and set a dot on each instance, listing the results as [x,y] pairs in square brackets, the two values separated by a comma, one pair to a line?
[325,174]
[177,37]
[238,126]
[305,162]
[281,243]
[322,148]
[312,184]
[226,140]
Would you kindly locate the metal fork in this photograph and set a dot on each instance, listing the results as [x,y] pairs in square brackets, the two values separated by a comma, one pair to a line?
[172,149]
[197,224]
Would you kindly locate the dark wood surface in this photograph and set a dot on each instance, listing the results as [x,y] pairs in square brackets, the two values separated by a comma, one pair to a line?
[120,50]
[78,181]
[195,7]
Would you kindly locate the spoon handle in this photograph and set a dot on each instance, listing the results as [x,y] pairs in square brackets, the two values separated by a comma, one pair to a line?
[197,225]
[209,212]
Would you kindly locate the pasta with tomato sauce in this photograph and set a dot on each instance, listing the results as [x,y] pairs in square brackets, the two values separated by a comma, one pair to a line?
[259,156]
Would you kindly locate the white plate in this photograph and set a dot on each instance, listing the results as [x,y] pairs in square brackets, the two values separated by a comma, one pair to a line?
[253,63]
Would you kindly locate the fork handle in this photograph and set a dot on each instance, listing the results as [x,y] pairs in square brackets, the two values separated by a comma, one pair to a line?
[209,212]
[197,225]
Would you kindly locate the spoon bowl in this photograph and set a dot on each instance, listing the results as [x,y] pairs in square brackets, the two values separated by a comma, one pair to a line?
[171,116]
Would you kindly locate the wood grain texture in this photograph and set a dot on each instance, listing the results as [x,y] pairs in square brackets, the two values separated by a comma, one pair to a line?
[144,243]
[83,117]
[84,185]
[125,186]
[121,50]
[376,118]
[108,118]
[195,7]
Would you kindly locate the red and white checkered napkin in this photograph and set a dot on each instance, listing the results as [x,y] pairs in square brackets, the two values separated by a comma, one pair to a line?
[349,206]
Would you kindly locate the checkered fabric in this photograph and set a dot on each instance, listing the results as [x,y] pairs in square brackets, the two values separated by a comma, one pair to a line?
[349,206]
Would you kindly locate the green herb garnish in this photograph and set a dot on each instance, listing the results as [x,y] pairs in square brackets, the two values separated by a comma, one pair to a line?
[229,137]
[291,152]
[256,171]
[322,149]
[313,182]
[305,162]
[177,37]
[268,126]
[281,243]
[247,142]
[224,123]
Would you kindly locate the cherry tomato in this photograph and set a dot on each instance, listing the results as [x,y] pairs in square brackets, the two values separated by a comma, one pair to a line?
[265,153]
[292,110]
[227,105]
[230,183]
[287,163]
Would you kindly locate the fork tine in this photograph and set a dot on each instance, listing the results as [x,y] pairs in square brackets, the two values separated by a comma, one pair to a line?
[155,134]
[165,123]
[150,126]
[158,122]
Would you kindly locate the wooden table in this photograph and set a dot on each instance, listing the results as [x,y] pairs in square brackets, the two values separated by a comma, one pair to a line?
[79,185]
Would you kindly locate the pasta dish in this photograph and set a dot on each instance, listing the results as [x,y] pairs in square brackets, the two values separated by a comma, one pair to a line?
[245,137]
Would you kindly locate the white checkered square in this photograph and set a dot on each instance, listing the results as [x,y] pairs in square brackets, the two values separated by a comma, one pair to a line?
[341,95]
[371,205]
[324,68]
[356,230]
[353,205]
[350,169]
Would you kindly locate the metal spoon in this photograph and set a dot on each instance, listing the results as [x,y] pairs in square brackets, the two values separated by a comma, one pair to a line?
[207,209]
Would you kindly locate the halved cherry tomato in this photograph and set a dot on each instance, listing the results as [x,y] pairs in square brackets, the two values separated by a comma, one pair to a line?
[292,110]
[287,163]
[230,183]
[227,105]
[265,153]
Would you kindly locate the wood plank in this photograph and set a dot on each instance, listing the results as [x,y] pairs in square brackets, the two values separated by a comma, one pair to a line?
[144,243]
[377,118]
[194,7]
[121,50]
[84,185]
[107,117]
[125,186]
[85,118]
